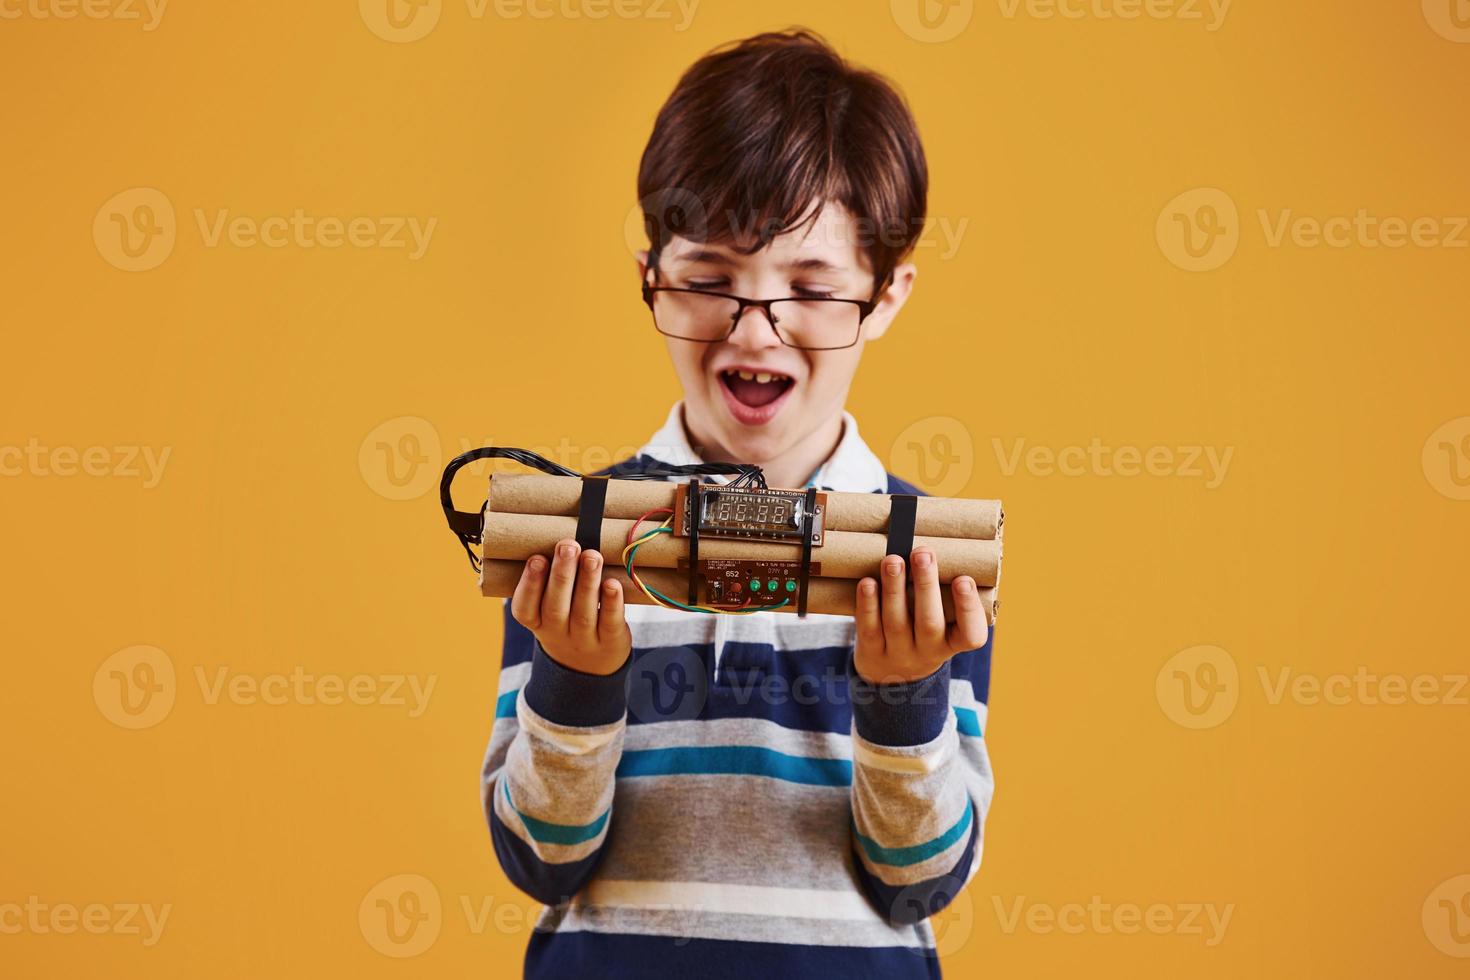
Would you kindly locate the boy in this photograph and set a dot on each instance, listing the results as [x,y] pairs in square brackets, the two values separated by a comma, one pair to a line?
[752,795]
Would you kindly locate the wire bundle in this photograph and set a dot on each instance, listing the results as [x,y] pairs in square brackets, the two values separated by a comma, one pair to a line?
[467,526]
[658,597]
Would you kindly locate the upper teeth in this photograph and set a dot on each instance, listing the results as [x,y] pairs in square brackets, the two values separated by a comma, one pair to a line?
[762,376]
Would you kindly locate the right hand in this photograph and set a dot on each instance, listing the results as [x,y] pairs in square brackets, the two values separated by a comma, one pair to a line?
[559,605]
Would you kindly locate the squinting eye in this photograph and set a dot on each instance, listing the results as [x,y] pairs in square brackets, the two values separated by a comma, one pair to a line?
[803,292]
[705,284]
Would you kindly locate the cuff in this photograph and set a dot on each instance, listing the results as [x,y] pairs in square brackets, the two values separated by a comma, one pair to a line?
[564,696]
[913,713]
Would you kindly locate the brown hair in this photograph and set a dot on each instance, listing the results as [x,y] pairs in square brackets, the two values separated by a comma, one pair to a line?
[758,132]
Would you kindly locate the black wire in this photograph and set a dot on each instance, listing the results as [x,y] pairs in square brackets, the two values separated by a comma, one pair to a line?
[468,527]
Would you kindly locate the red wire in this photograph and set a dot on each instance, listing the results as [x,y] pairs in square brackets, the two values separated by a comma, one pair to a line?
[633,531]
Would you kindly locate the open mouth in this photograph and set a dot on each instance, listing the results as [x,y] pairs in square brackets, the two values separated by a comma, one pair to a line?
[754,397]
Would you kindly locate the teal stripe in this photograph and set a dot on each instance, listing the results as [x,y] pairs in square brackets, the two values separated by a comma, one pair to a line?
[545,832]
[735,760]
[900,857]
[505,705]
[967,720]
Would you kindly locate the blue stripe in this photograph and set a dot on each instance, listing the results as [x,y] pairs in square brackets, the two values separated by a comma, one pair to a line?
[900,857]
[556,955]
[967,721]
[505,705]
[735,760]
[545,832]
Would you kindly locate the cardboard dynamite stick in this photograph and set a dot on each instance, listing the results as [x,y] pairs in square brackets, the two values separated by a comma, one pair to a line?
[831,596]
[558,496]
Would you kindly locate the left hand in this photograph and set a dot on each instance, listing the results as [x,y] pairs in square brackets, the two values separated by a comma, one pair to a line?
[894,645]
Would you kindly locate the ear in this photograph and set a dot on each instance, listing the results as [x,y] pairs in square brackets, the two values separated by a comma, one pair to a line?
[890,301]
[642,257]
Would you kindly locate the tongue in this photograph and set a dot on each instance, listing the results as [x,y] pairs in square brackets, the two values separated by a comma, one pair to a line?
[754,393]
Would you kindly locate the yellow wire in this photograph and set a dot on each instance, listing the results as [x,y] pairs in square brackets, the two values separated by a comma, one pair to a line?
[655,599]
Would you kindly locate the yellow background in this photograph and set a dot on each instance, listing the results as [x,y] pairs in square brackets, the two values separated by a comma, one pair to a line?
[1335,540]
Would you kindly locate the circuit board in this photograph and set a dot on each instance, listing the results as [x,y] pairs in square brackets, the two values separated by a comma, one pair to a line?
[737,582]
[751,513]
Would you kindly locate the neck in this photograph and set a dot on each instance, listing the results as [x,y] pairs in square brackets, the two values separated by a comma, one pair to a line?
[792,468]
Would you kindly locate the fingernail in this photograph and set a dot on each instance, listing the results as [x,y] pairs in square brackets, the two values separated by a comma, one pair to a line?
[868,586]
[592,559]
[537,563]
[923,559]
[966,585]
[610,586]
[566,550]
[892,566]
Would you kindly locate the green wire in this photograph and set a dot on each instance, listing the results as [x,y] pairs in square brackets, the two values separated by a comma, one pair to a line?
[675,602]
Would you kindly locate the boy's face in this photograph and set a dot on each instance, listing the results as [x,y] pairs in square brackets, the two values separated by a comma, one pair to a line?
[757,419]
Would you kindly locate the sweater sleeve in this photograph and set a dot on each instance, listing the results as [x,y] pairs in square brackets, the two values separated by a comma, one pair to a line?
[921,785]
[547,783]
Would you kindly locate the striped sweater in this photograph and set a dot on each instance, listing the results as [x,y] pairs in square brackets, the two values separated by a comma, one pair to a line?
[736,801]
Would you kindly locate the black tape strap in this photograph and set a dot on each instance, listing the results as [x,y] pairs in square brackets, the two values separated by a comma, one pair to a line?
[902,508]
[808,515]
[693,525]
[589,514]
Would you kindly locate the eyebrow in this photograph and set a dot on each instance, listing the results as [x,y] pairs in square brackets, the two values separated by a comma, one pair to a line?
[703,255]
[810,264]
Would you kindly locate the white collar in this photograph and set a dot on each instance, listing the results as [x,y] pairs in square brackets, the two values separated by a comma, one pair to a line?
[852,467]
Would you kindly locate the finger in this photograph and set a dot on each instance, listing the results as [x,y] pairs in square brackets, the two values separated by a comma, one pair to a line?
[896,628]
[556,604]
[525,602]
[969,631]
[583,622]
[865,614]
[612,629]
[928,600]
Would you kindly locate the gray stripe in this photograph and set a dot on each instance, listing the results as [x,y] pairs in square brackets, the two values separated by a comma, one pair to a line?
[740,731]
[737,829]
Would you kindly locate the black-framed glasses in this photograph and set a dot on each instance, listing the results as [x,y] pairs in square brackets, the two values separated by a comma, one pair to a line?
[706,317]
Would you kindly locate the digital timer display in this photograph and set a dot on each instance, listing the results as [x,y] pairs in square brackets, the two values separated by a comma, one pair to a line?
[766,511]
[752,513]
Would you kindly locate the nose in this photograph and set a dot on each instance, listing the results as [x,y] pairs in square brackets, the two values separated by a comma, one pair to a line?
[754,331]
